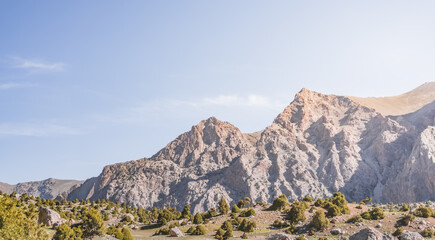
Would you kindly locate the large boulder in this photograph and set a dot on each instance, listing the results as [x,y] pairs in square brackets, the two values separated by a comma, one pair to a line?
[370,234]
[411,236]
[176,232]
[49,217]
[281,236]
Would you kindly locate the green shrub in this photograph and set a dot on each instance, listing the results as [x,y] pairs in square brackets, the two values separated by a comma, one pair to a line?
[219,233]
[398,232]
[163,231]
[333,210]
[427,233]
[279,224]
[228,234]
[355,219]
[190,230]
[297,212]
[247,213]
[365,201]
[235,209]
[301,238]
[186,212]
[424,212]
[92,223]
[114,231]
[126,234]
[319,221]
[199,230]
[198,219]
[406,220]
[64,232]
[223,207]
[308,199]
[374,214]
[227,225]
[319,202]
[279,203]
[404,208]
[247,226]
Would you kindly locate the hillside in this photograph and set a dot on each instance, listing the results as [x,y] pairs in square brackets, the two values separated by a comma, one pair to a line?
[48,188]
[318,145]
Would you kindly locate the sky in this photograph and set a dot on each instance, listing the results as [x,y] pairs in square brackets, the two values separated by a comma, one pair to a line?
[84,84]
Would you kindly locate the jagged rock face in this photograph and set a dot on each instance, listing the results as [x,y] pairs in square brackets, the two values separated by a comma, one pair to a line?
[318,145]
[49,188]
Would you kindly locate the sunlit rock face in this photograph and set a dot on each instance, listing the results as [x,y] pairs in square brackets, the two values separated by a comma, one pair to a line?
[318,145]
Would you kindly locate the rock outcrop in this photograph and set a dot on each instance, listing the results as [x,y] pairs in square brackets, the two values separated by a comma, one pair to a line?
[49,217]
[318,145]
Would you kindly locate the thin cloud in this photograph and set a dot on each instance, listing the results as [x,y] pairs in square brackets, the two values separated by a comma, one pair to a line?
[37,65]
[4,86]
[34,130]
[252,100]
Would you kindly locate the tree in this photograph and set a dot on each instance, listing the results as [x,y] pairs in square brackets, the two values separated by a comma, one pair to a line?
[235,209]
[92,223]
[198,219]
[227,225]
[279,203]
[64,232]
[186,212]
[223,207]
[248,212]
[424,212]
[333,210]
[126,234]
[297,213]
[319,221]
[199,230]
[14,224]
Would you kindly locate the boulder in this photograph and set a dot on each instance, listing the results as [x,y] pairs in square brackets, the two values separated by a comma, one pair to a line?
[281,236]
[49,217]
[175,232]
[367,234]
[411,236]
[337,231]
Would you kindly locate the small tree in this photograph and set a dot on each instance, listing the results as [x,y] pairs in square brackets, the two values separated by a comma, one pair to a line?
[279,203]
[235,209]
[64,232]
[92,223]
[223,207]
[404,208]
[319,221]
[198,219]
[297,213]
[199,230]
[126,234]
[227,225]
[186,212]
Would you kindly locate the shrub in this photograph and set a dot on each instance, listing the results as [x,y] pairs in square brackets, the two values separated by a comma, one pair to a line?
[223,207]
[247,226]
[190,230]
[186,212]
[424,212]
[279,224]
[235,209]
[279,203]
[358,207]
[297,212]
[355,219]
[248,212]
[199,230]
[427,233]
[374,214]
[404,208]
[308,199]
[198,219]
[164,217]
[406,220]
[163,231]
[228,234]
[126,234]
[319,202]
[241,204]
[114,231]
[220,233]
[301,238]
[333,210]
[365,201]
[319,221]
[398,232]
[227,225]
[92,223]
[64,232]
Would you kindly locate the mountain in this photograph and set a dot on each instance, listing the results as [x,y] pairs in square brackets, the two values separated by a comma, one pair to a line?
[403,104]
[49,188]
[318,145]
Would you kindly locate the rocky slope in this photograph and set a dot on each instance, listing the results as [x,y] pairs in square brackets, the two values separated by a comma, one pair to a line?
[49,188]
[318,145]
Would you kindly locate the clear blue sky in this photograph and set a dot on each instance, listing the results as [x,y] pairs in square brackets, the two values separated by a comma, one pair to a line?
[84,84]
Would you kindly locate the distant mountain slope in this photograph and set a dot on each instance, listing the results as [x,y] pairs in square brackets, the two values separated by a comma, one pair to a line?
[49,188]
[318,145]
[403,104]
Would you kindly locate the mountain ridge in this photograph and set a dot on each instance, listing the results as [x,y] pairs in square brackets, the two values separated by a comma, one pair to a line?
[319,144]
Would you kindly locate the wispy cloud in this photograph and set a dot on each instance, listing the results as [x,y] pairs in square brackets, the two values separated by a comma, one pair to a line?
[10,129]
[251,100]
[4,86]
[37,65]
